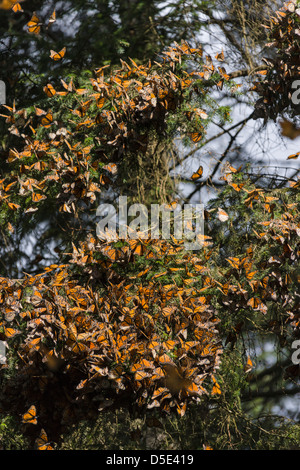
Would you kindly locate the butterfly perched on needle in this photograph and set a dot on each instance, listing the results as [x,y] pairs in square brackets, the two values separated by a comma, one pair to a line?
[58,55]
[195,176]
[49,90]
[46,116]
[30,417]
[47,120]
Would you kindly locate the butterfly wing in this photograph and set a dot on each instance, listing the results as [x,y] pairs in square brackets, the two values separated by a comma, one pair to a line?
[57,55]
[34,25]
[30,416]
[42,443]
[197,174]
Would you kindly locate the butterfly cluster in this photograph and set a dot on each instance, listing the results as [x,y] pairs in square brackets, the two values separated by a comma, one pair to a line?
[276,94]
[137,320]
[143,324]
[145,335]
[115,109]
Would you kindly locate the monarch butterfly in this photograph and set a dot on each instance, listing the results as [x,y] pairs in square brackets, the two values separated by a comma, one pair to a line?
[189,344]
[199,268]
[169,344]
[68,86]
[220,56]
[34,343]
[47,120]
[40,112]
[172,205]
[142,273]
[294,156]
[111,253]
[254,302]
[167,311]
[250,275]
[111,167]
[163,273]
[100,102]
[197,174]
[222,215]
[141,375]
[58,55]
[201,113]
[52,18]
[249,365]
[153,344]
[237,187]
[223,73]
[34,25]
[144,304]
[17,8]
[136,247]
[216,390]
[264,282]
[49,90]
[8,4]
[126,323]
[143,364]
[196,136]
[81,111]
[30,416]
[36,197]
[193,389]
[42,443]
[10,332]
[235,262]
[181,408]
[262,72]
[77,347]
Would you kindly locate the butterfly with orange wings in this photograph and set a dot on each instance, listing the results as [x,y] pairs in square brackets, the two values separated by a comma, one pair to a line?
[58,55]
[196,137]
[49,90]
[42,442]
[11,5]
[30,417]
[195,176]
[34,25]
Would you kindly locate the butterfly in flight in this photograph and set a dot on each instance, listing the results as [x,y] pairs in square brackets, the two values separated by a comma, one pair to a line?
[197,174]
[34,25]
[42,442]
[30,417]
[11,4]
[58,55]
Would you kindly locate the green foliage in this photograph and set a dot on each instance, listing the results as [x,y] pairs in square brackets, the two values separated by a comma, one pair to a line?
[11,437]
